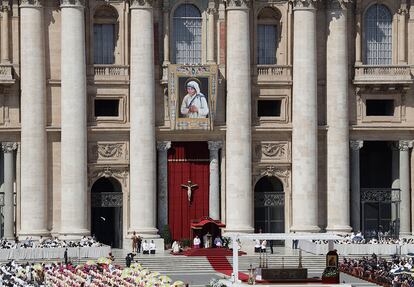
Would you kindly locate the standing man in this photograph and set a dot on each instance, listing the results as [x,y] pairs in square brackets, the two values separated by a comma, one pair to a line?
[139,241]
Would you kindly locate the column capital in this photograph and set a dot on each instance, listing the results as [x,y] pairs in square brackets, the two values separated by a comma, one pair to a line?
[30,3]
[356,144]
[163,145]
[72,3]
[405,145]
[141,4]
[215,145]
[339,4]
[238,4]
[211,10]
[305,4]
[5,6]
[9,146]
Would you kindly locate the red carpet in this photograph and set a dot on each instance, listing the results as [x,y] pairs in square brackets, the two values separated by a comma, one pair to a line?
[222,265]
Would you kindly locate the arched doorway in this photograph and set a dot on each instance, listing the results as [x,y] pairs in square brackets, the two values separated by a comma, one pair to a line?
[106,214]
[269,205]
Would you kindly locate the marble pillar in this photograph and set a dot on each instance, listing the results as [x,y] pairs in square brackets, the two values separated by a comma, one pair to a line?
[402,37]
[9,178]
[5,54]
[358,34]
[214,191]
[166,22]
[163,147]
[239,202]
[338,196]
[355,145]
[395,173]
[33,122]
[405,210]
[305,124]
[212,10]
[74,203]
[143,203]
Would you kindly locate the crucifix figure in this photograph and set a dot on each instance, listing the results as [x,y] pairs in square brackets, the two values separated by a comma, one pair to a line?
[189,186]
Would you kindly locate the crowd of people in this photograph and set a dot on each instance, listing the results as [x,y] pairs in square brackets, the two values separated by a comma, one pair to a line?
[395,272]
[93,274]
[48,243]
[358,238]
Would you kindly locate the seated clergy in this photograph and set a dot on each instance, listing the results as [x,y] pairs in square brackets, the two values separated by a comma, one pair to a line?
[218,242]
[145,247]
[152,247]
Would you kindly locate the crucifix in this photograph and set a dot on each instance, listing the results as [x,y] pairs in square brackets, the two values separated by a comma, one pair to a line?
[189,186]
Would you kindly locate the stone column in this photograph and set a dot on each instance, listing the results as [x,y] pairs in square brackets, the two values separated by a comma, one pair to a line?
[239,203]
[74,208]
[9,177]
[402,58]
[143,191]
[305,124]
[33,121]
[163,148]
[210,31]
[214,192]
[405,210]
[5,55]
[166,20]
[337,117]
[358,35]
[355,145]
[395,170]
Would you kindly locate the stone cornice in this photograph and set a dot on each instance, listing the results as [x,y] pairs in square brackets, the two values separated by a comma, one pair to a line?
[9,146]
[339,4]
[30,3]
[307,4]
[238,4]
[71,3]
[140,4]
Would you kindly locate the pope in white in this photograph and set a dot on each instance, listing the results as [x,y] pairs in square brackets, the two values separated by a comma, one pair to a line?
[194,104]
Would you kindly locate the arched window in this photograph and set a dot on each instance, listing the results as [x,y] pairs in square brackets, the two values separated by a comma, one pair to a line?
[187,35]
[378,35]
[267,36]
[104,35]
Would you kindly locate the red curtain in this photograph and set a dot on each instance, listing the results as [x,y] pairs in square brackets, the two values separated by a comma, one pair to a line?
[187,161]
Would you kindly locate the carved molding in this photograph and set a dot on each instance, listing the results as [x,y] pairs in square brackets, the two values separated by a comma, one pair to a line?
[120,173]
[272,151]
[163,145]
[9,146]
[356,144]
[30,3]
[107,199]
[108,151]
[312,4]
[238,4]
[215,145]
[139,4]
[72,3]
[283,173]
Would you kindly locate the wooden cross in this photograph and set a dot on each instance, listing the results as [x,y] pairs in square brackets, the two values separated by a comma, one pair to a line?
[189,186]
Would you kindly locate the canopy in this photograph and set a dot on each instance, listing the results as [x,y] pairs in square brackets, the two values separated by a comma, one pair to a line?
[199,223]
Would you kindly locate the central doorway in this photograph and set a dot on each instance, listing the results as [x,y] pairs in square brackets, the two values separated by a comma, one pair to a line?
[106,212]
[269,206]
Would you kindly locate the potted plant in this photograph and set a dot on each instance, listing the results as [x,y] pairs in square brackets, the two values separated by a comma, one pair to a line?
[166,235]
[330,275]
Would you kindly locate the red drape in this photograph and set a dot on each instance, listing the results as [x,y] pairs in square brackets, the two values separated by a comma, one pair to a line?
[187,161]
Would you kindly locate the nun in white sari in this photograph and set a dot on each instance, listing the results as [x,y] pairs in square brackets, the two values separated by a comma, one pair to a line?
[194,104]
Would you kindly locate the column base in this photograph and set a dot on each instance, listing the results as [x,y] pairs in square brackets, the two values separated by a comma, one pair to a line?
[144,232]
[34,234]
[339,229]
[73,234]
[406,235]
[236,229]
[305,228]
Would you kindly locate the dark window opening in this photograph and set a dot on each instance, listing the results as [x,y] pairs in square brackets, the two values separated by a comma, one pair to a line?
[106,108]
[380,107]
[268,108]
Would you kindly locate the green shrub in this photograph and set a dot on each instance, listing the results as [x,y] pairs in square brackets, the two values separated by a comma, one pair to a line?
[166,234]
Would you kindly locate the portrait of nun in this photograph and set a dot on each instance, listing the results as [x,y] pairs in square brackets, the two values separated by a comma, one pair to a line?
[194,104]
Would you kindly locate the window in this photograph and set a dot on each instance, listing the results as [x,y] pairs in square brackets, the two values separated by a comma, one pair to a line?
[104,35]
[378,35]
[106,108]
[267,36]
[268,108]
[380,107]
[187,35]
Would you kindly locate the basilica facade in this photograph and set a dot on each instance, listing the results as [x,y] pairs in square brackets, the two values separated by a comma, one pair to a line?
[258,115]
